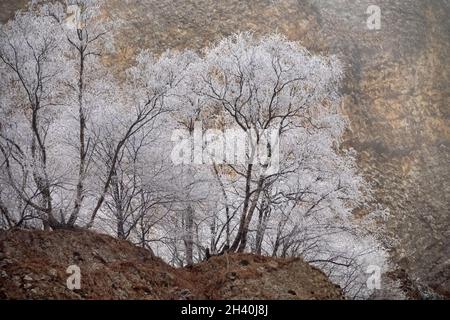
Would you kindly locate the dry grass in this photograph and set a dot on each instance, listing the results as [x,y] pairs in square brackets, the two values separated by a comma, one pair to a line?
[33,266]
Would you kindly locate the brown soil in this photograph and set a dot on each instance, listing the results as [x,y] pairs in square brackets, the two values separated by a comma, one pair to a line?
[33,266]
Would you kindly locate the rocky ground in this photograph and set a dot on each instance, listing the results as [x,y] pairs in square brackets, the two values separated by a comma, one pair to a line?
[33,265]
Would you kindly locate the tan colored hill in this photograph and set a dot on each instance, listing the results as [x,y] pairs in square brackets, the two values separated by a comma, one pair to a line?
[33,265]
[396,94]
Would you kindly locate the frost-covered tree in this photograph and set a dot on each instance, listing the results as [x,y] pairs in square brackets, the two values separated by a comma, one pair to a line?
[66,121]
[88,37]
[81,146]
[300,199]
[32,49]
[273,86]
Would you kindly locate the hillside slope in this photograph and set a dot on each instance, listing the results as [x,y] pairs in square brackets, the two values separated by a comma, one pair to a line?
[396,93]
[33,266]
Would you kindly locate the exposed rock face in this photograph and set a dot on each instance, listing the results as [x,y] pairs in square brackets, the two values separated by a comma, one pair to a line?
[396,94]
[397,98]
[8,7]
[33,265]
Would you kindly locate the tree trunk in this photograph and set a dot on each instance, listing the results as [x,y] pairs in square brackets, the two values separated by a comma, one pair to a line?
[189,235]
[240,231]
[261,229]
[82,147]
[120,229]
[248,218]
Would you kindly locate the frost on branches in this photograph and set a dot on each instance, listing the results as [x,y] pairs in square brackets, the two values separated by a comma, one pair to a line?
[84,147]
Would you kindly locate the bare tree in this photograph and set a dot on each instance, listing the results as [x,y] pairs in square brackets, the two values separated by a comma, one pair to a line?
[30,54]
[258,86]
[86,37]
